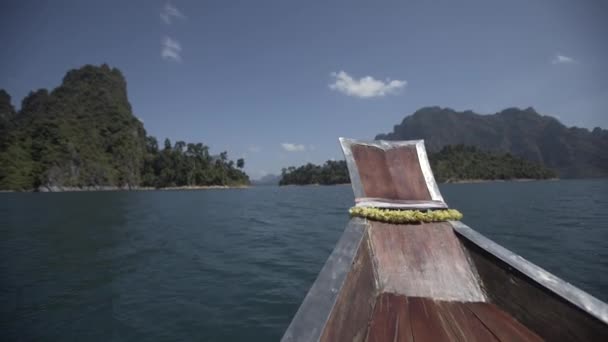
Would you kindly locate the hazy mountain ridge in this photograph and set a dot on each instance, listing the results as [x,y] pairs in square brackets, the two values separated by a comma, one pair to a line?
[269,179]
[572,152]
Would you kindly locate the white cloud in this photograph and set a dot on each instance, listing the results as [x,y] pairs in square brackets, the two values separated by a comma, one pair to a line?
[561,59]
[293,147]
[254,149]
[170,12]
[364,87]
[171,50]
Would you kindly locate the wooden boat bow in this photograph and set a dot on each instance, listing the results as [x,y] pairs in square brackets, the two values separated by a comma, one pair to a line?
[440,281]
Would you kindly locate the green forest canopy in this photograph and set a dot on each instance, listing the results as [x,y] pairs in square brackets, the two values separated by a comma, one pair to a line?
[188,165]
[83,134]
[452,163]
[332,172]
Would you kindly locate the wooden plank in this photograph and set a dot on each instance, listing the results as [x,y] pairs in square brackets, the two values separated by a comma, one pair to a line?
[464,324]
[390,320]
[399,318]
[352,311]
[424,260]
[375,176]
[427,323]
[546,313]
[404,167]
[502,325]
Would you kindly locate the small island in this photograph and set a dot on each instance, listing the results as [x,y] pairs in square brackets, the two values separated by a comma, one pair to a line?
[83,135]
[452,164]
[462,163]
[330,173]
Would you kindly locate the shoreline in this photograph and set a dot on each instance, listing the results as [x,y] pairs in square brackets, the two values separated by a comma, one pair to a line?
[471,181]
[217,187]
[117,188]
[200,187]
[314,184]
[460,181]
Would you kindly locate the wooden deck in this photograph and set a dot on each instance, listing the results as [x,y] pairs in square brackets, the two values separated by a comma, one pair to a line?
[400,318]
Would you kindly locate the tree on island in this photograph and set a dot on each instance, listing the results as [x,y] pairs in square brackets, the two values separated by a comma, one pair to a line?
[188,164]
[83,134]
[452,163]
[460,162]
[332,172]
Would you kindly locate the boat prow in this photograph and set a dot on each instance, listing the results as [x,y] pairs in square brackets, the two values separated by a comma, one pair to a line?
[438,281]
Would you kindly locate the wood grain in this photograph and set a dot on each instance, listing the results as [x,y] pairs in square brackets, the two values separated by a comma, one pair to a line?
[424,260]
[391,174]
[547,314]
[400,318]
[427,324]
[390,320]
[464,324]
[404,167]
[352,311]
[373,172]
[502,325]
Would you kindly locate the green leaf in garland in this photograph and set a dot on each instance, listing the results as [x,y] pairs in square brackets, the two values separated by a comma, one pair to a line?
[405,216]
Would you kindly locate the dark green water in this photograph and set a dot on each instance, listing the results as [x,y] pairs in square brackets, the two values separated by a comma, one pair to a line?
[233,265]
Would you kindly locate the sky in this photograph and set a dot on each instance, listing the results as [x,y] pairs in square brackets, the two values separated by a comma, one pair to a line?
[277,82]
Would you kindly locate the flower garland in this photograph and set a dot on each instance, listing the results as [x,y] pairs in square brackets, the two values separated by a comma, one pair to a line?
[405,216]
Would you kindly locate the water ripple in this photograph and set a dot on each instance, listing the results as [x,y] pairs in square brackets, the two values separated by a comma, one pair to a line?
[235,265]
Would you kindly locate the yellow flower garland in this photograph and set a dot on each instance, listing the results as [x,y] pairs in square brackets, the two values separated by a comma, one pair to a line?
[405,216]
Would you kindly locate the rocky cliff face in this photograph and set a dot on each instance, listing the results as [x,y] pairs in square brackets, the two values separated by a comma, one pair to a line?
[81,134]
[571,151]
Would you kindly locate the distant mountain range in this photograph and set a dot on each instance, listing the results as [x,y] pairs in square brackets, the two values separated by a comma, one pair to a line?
[267,180]
[571,151]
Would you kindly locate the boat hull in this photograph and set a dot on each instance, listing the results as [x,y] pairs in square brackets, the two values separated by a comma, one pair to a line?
[446,266]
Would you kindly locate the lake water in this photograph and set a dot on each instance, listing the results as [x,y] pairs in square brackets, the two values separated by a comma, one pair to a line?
[234,265]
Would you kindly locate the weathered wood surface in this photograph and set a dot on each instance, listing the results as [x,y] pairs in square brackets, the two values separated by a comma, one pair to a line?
[353,309]
[390,320]
[427,323]
[398,318]
[464,324]
[373,172]
[503,326]
[406,174]
[549,315]
[391,174]
[391,170]
[423,260]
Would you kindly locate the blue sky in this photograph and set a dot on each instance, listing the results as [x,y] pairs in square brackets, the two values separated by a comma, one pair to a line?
[277,82]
